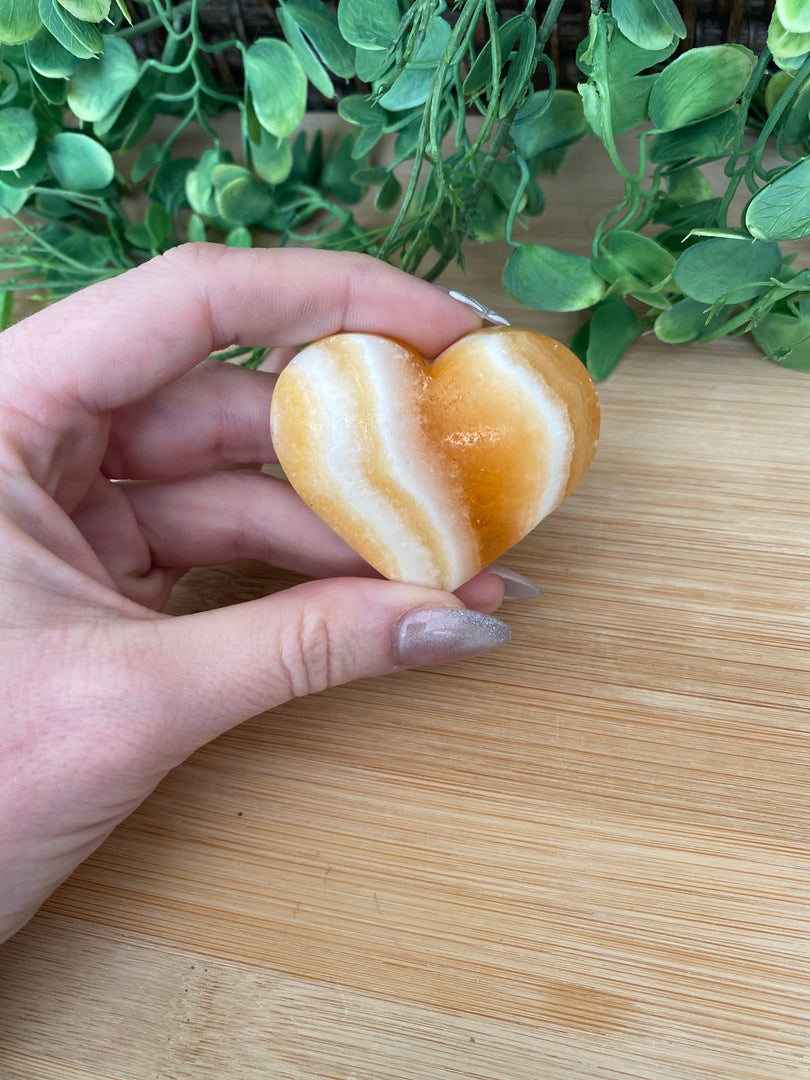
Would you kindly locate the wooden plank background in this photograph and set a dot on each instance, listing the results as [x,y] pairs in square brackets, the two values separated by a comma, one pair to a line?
[585,855]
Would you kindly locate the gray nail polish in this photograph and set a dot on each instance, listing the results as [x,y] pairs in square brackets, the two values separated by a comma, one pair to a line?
[518,587]
[438,635]
[480,309]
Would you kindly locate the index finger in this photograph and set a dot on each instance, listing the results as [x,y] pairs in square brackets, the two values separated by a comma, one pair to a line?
[117,341]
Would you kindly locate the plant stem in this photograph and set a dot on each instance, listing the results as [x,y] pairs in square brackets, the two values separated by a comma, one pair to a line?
[146,26]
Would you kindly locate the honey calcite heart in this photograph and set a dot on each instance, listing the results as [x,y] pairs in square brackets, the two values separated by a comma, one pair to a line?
[430,471]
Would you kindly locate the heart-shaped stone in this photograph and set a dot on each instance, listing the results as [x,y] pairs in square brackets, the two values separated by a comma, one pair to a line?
[430,471]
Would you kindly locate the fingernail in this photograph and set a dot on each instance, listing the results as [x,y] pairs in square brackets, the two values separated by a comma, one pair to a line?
[438,635]
[476,305]
[518,587]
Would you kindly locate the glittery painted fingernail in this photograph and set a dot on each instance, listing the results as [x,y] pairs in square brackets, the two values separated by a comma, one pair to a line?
[438,635]
[480,309]
[518,587]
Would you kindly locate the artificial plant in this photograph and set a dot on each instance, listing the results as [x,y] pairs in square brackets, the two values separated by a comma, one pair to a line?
[469,129]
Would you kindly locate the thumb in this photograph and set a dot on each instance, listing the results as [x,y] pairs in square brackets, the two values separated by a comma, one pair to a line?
[214,669]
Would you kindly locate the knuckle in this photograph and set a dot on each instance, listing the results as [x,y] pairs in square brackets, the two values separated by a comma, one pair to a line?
[306,655]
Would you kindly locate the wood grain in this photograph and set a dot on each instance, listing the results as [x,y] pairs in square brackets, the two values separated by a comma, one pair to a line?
[585,855]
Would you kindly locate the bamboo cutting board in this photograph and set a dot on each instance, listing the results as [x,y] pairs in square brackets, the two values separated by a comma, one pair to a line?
[586,855]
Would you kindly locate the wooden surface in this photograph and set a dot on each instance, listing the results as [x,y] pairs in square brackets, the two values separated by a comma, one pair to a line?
[585,855]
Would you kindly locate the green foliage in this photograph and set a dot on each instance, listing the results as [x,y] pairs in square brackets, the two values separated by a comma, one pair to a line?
[413,84]
[277,84]
[699,84]
[649,25]
[96,87]
[602,341]
[79,163]
[794,15]
[369,24]
[730,270]
[18,137]
[781,209]
[73,34]
[449,142]
[785,339]
[551,280]
[19,21]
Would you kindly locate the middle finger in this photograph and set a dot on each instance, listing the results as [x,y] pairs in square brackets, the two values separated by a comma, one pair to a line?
[217,415]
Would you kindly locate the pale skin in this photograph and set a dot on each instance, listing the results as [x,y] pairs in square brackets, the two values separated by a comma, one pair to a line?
[124,461]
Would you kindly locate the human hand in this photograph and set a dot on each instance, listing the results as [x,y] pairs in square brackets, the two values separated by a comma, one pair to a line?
[120,457]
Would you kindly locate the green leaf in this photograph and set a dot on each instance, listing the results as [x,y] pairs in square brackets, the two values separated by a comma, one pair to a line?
[91,11]
[319,24]
[137,235]
[605,338]
[199,187]
[80,38]
[648,25]
[134,123]
[19,21]
[365,142]
[239,237]
[6,309]
[18,137]
[520,68]
[31,173]
[278,85]
[357,109]
[12,200]
[272,158]
[785,339]
[562,123]
[388,195]
[145,162]
[413,84]
[158,224]
[9,84]
[635,259]
[408,137]
[592,107]
[313,68]
[688,320]
[791,63]
[630,102]
[726,269]
[196,229]
[794,15]
[479,76]
[550,280]
[168,185]
[369,24]
[624,58]
[786,43]
[488,221]
[688,185]
[708,138]
[339,167]
[80,163]
[776,85]
[240,198]
[48,57]
[781,210]
[376,175]
[54,206]
[699,84]
[54,91]
[794,128]
[97,87]
[372,64]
